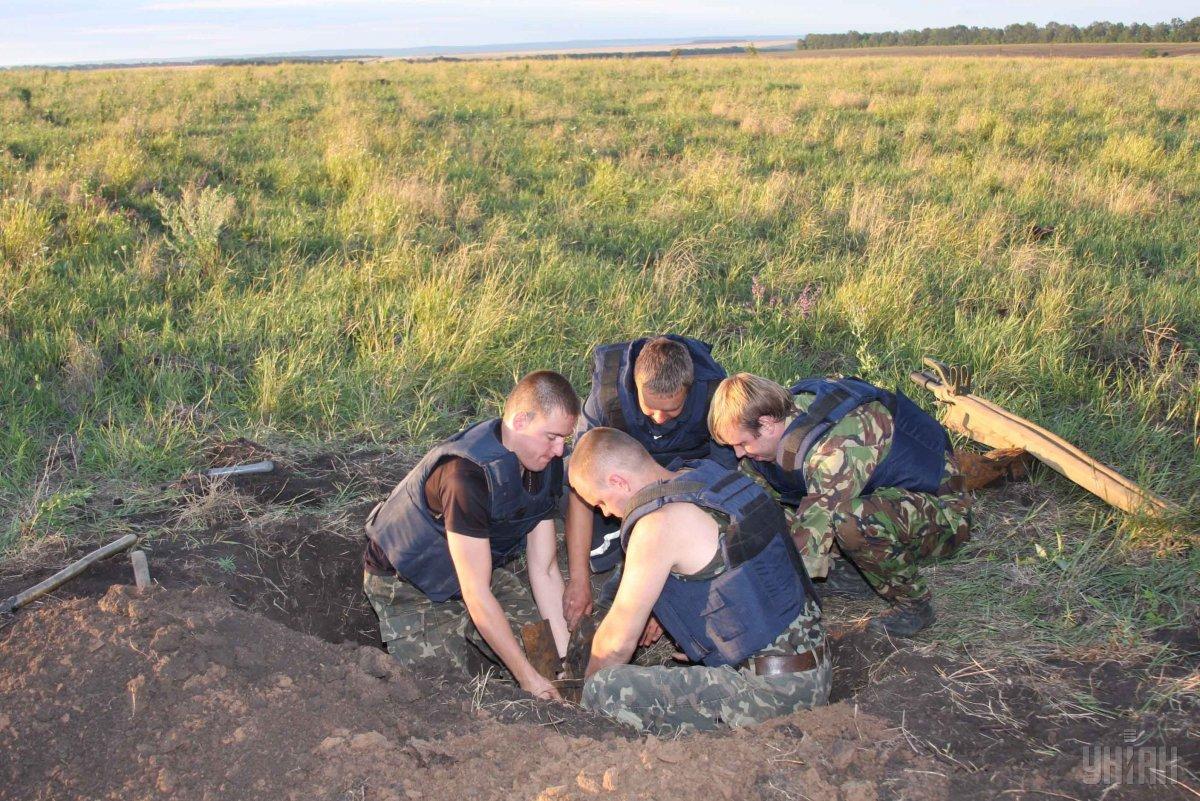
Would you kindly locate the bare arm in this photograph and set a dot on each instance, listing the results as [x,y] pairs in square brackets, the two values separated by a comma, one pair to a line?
[577,600]
[648,562]
[472,558]
[546,582]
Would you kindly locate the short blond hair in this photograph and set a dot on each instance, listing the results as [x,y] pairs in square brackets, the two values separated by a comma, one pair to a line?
[742,399]
[602,450]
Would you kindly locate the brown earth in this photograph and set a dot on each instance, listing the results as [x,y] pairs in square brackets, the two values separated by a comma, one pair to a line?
[252,671]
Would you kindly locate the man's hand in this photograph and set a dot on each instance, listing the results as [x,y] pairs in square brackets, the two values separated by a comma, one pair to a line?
[652,633]
[577,601]
[540,687]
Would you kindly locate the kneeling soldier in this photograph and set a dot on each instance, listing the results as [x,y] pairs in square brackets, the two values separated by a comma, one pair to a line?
[862,466]
[707,551]
[436,546]
[657,391]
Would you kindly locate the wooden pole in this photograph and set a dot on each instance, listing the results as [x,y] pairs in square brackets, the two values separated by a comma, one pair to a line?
[984,421]
[69,572]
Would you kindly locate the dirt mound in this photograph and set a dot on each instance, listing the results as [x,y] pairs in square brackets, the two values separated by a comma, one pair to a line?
[179,694]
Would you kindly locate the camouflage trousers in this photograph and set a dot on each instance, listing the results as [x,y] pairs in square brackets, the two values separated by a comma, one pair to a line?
[414,628]
[665,701]
[886,534]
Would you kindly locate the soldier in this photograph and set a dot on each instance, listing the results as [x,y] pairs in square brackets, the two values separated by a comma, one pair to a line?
[433,566]
[862,467]
[707,550]
[657,391]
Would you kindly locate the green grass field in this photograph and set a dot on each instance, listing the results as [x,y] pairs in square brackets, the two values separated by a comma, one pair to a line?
[325,255]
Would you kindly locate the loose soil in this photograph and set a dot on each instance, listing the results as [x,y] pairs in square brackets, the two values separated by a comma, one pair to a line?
[252,670]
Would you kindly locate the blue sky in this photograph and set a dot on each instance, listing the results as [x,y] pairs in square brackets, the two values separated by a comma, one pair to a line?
[55,31]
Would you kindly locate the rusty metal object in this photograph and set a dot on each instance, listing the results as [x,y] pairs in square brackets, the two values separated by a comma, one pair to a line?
[983,469]
[579,649]
[538,639]
[985,422]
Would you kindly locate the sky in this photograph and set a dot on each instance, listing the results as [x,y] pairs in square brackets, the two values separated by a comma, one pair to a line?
[71,31]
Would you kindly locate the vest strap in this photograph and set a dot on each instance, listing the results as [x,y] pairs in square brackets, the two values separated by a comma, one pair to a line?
[610,389]
[810,425]
[663,489]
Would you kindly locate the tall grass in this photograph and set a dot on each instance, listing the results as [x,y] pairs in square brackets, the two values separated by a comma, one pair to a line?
[374,251]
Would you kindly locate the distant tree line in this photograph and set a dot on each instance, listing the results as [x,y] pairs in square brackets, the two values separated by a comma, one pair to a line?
[1177,30]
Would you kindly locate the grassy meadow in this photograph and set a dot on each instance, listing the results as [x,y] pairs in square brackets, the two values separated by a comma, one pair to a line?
[330,255]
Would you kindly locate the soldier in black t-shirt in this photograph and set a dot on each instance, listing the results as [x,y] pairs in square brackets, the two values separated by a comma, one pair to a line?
[456,491]
[433,565]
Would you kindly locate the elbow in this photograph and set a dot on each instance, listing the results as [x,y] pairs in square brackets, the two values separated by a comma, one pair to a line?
[609,648]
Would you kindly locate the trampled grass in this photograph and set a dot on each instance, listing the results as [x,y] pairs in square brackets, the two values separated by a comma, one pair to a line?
[371,252]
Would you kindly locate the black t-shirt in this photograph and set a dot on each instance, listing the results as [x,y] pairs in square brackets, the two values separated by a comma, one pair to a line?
[456,491]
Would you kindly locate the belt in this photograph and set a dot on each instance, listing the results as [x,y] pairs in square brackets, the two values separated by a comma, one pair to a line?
[795,663]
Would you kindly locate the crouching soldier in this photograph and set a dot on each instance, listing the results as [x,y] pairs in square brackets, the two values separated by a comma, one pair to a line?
[707,551]
[436,547]
[657,391]
[863,467]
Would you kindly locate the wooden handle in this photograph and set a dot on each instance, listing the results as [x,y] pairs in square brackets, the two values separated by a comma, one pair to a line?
[984,421]
[69,572]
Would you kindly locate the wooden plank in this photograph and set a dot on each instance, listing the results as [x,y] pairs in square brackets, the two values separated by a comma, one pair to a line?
[985,422]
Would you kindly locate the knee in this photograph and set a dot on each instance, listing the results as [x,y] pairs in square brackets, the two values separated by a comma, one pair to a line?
[600,691]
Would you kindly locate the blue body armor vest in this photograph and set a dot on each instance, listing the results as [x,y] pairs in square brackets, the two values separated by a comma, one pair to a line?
[914,462]
[763,588]
[415,540]
[686,437]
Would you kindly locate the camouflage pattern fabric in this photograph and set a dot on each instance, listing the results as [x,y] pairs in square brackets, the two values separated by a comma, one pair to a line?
[887,533]
[666,701]
[414,628]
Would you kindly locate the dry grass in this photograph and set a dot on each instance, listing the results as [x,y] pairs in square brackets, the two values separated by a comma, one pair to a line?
[841,98]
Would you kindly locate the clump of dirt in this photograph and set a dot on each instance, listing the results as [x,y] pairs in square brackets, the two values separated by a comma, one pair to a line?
[179,694]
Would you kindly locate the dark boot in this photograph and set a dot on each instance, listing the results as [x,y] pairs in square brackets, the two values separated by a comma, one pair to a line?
[905,619]
[844,579]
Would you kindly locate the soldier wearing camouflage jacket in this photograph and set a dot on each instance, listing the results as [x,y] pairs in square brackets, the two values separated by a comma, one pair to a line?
[867,474]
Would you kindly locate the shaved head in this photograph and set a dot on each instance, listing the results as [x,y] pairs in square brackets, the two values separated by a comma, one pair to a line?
[601,451]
